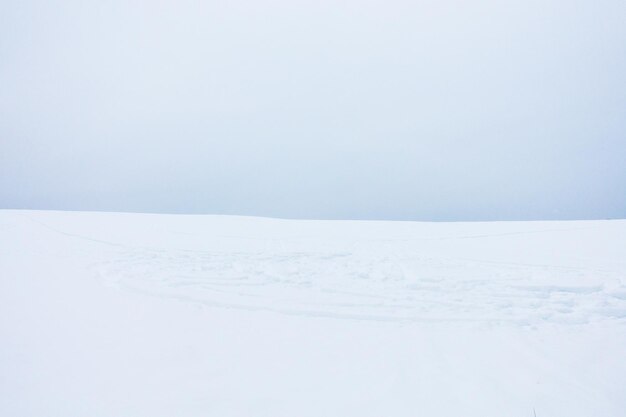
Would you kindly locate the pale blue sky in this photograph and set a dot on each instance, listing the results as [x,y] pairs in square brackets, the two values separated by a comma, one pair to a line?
[420,110]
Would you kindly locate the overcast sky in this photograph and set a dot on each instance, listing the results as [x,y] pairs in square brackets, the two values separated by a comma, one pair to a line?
[418,110]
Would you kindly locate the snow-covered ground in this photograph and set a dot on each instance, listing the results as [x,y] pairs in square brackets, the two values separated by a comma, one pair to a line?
[110,314]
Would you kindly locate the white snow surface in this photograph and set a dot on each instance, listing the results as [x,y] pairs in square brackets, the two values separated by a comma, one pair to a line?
[115,314]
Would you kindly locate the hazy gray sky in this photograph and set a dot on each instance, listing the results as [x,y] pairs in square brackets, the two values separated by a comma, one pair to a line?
[425,110]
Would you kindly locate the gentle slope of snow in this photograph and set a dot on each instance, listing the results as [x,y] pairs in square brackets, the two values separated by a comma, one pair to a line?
[111,314]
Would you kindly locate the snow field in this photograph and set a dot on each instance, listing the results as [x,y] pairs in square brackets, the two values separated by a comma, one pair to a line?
[109,314]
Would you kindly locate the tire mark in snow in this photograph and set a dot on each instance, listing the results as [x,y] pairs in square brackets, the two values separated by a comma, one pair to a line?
[387,286]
